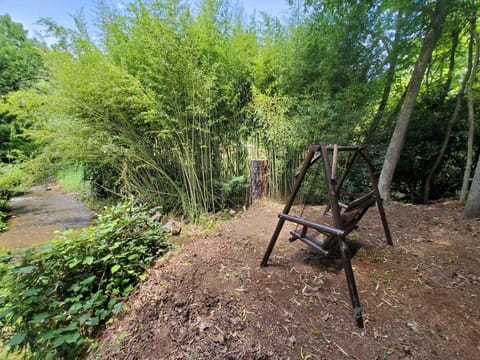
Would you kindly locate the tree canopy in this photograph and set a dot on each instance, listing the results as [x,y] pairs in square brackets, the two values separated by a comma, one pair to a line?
[167,102]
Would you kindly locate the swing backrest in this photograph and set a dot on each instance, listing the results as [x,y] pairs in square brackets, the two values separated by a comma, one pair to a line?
[364,201]
[350,215]
[338,219]
[356,209]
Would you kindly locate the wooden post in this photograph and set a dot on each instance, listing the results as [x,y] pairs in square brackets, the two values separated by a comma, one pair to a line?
[258,180]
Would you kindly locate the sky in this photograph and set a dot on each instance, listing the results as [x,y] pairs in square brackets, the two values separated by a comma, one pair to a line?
[28,12]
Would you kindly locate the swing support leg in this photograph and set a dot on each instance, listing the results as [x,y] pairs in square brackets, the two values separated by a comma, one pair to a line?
[298,183]
[381,209]
[272,242]
[352,288]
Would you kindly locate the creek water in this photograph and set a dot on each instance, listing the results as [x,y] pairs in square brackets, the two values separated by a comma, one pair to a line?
[37,215]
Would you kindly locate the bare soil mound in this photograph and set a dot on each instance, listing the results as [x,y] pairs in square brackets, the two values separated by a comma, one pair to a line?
[211,300]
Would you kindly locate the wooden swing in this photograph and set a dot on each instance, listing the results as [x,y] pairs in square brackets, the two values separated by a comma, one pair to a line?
[339,219]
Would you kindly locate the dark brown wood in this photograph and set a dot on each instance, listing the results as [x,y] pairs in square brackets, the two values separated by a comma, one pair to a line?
[342,246]
[331,191]
[365,200]
[352,287]
[288,205]
[381,210]
[324,229]
[309,241]
[339,219]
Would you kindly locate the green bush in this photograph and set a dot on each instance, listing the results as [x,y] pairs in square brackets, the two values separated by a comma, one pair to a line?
[4,208]
[53,300]
[3,224]
[234,192]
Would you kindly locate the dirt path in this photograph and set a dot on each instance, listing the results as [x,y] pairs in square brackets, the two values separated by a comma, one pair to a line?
[211,300]
[37,215]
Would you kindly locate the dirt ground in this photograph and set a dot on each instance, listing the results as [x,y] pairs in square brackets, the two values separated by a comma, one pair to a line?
[211,300]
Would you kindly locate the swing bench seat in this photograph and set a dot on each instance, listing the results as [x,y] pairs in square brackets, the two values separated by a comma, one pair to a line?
[320,234]
[331,229]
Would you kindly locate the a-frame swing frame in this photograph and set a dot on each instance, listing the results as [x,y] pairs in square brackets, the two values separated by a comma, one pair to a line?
[339,225]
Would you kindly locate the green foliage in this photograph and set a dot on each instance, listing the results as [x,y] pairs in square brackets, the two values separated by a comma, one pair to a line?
[20,65]
[22,115]
[20,62]
[235,190]
[4,208]
[161,113]
[72,178]
[3,224]
[171,102]
[423,142]
[53,300]
[13,180]
[21,93]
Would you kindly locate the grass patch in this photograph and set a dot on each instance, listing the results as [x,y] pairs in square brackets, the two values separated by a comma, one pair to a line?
[72,178]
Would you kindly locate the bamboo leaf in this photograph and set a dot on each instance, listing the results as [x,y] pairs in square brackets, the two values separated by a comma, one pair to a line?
[17,339]
[39,318]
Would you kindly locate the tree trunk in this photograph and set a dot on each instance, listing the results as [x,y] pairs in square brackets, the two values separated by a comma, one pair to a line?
[453,118]
[258,180]
[471,120]
[472,208]
[397,140]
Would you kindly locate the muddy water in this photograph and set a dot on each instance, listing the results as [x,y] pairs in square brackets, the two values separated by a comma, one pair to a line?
[37,215]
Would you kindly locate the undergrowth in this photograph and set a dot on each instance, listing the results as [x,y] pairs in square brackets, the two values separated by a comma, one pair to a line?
[54,299]
[4,208]
[72,179]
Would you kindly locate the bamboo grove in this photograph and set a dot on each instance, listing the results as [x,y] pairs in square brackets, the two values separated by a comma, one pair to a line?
[166,102]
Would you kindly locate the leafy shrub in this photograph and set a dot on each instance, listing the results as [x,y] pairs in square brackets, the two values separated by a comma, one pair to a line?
[3,224]
[4,208]
[235,191]
[53,300]
[12,180]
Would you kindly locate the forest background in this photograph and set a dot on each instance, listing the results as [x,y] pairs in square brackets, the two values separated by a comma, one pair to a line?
[167,103]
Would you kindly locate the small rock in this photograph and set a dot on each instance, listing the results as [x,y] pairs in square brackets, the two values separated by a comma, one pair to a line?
[235,321]
[204,324]
[220,338]
[174,227]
